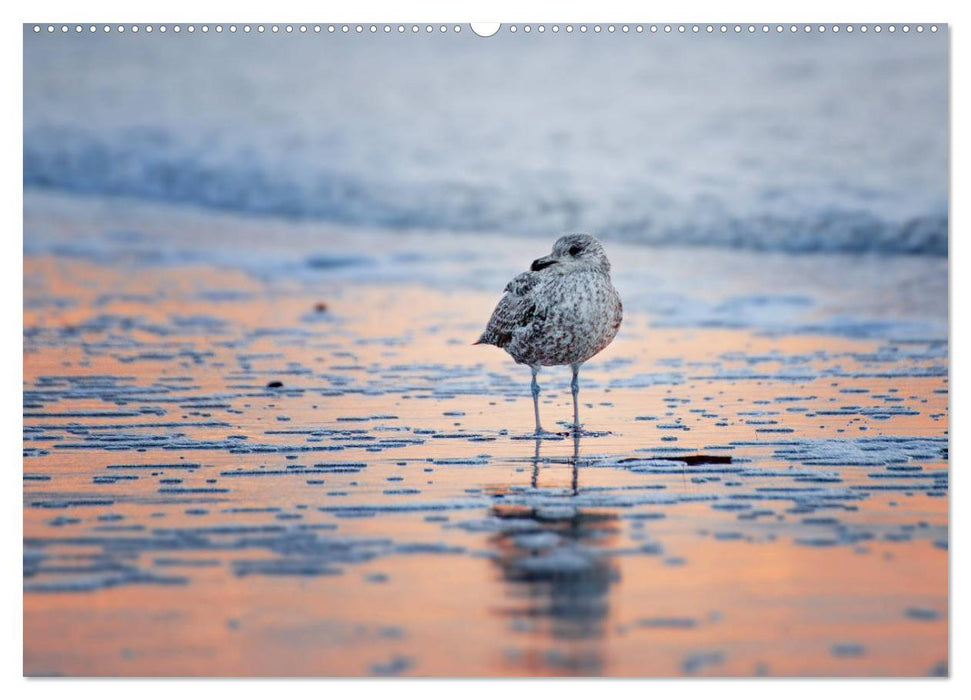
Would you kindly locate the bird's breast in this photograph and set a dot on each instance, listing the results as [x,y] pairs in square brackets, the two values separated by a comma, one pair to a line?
[577,316]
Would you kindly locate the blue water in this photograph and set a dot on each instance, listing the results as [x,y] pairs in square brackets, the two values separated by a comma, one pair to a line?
[792,143]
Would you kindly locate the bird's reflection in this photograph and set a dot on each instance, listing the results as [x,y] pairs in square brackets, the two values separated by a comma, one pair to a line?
[551,553]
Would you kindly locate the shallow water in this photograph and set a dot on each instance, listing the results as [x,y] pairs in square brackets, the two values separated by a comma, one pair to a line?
[296,463]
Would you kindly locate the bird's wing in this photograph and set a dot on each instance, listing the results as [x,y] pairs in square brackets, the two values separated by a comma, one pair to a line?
[522,283]
[514,311]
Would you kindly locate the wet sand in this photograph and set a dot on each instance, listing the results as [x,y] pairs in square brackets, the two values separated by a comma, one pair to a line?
[234,473]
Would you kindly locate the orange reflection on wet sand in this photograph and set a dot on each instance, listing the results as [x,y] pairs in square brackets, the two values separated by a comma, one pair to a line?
[382,513]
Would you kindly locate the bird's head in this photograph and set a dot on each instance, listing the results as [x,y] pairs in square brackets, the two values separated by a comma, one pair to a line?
[572,252]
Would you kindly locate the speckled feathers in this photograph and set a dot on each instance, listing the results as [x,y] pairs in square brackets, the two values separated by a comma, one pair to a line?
[563,311]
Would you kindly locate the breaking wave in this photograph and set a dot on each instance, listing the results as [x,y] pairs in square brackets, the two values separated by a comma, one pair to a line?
[797,144]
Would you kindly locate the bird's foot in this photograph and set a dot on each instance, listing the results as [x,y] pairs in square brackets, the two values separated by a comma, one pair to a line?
[540,435]
[546,435]
[578,431]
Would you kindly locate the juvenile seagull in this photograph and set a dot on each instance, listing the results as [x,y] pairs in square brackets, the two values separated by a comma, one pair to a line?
[562,312]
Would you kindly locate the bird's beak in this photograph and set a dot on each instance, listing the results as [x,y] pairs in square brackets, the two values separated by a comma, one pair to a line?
[540,263]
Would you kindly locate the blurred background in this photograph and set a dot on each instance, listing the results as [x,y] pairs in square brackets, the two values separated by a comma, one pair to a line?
[793,142]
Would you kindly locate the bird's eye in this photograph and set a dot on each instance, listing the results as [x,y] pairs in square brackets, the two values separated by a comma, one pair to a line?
[575,250]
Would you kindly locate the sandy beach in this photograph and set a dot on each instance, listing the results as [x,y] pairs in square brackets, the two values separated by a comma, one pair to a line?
[259,441]
[254,447]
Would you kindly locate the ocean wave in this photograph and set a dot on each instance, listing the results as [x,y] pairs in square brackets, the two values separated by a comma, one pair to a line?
[784,143]
[146,166]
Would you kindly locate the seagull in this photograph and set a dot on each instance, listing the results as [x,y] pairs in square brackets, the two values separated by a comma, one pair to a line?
[562,312]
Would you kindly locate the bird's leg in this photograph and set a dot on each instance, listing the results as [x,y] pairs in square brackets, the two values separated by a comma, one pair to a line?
[535,388]
[575,387]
